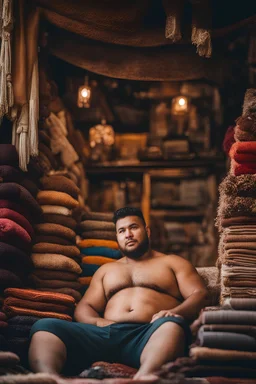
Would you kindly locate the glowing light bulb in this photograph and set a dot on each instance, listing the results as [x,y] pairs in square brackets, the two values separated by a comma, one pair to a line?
[84,92]
[182,101]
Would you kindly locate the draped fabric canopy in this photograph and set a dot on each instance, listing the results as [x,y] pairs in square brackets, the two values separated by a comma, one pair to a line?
[143,39]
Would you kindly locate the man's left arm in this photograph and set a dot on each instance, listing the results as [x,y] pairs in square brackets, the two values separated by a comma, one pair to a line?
[192,288]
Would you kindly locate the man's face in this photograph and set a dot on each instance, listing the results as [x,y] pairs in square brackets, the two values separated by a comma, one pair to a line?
[132,236]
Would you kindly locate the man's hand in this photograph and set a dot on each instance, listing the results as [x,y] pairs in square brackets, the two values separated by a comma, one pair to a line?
[165,313]
[103,322]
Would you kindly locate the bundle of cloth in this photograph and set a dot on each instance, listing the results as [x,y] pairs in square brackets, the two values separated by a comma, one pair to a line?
[97,244]
[226,341]
[236,221]
[55,256]
[23,307]
[10,364]
[18,212]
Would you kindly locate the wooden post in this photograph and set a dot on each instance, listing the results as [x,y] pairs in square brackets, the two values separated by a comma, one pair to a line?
[146,194]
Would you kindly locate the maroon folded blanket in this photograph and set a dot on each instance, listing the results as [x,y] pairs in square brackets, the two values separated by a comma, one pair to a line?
[37,305]
[17,193]
[9,155]
[241,169]
[16,207]
[67,221]
[13,233]
[18,218]
[9,174]
[3,316]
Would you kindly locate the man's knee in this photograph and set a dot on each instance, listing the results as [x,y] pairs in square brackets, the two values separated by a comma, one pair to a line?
[173,328]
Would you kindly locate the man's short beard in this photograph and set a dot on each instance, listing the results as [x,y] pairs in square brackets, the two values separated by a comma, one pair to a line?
[142,248]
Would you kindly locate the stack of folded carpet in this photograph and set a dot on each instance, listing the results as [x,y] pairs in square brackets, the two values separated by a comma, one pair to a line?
[18,211]
[25,306]
[98,245]
[226,340]
[55,256]
[236,217]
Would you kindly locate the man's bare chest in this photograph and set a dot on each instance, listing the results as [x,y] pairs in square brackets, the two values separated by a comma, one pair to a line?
[159,278]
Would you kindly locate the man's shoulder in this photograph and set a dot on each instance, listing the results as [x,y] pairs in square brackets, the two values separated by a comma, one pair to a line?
[172,258]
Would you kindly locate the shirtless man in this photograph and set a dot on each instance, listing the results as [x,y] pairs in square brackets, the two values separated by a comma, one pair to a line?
[136,311]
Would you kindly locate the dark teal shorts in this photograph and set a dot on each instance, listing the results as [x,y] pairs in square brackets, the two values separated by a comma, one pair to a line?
[116,343]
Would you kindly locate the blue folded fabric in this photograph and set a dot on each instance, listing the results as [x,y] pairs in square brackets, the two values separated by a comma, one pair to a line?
[88,269]
[102,251]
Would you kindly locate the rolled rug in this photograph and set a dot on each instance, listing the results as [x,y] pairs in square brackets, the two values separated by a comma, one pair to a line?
[98,216]
[67,221]
[56,198]
[56,209]
[88,243]
[43,283]
[3,316]
[204,354]
[93,225]
[248,147]
[17,331]
[66,250]
[85,280]
[243,136]
[44,297]
[61,184]
[104,235]
[41,306]
[11,311]
[97,260]
[47,274]
[57,229]
[44,138]
[229,317]
[240,304]
[12,233]
[67,291]
[17,218]
[226,340]
[9,174]
[58,263]
[101,251]
[15,192]
[52,240]
[233,328]
[9,155]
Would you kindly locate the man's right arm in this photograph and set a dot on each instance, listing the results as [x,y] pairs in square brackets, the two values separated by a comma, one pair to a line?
[93,303]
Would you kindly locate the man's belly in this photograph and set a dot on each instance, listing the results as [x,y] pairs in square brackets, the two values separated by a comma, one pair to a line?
[137,305]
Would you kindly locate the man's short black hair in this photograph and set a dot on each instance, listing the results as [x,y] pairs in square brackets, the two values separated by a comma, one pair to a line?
[128,211]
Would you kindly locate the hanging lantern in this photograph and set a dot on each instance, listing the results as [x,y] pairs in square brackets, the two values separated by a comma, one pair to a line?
[84,95]
[179,105]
